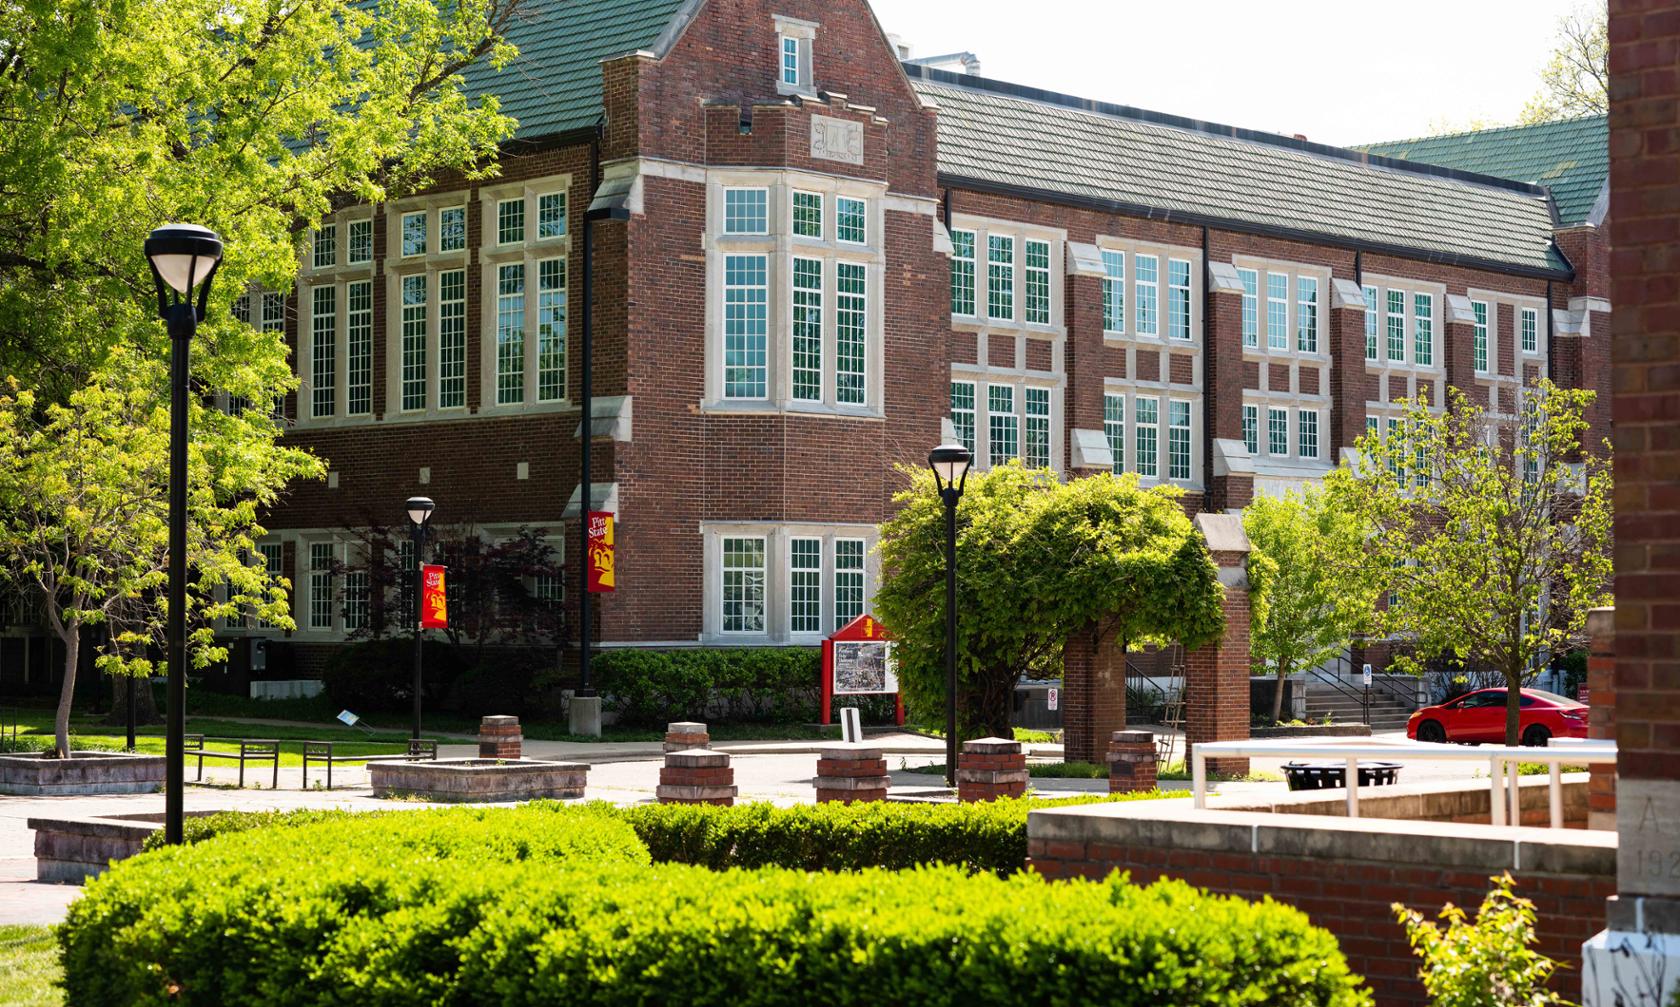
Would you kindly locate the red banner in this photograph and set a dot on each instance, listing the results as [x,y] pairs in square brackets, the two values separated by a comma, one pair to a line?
[434,600]
[603,576]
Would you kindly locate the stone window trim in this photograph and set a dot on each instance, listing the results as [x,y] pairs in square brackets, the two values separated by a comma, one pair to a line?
[1292,404]
[982,378]
[530,258]
[781,248]
[306,418]
[1501,304]
[778,556]
[1020,232]
[1262,349]
[1163,394]
[530,191]
[341,265]
[432,205]
[1409,288]
[1164,254]
[803,34]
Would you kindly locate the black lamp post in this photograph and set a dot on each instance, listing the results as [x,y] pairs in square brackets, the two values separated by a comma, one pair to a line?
[419,517]
[950,473]
[183,257]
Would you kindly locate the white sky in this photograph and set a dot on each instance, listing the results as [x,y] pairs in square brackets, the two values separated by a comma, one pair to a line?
[1339,71]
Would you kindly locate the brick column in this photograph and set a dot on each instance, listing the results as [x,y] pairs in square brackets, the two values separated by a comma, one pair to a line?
[1216,675]
[1131,761]
[850,774]
[499,738]
[1230,474]
[1458,349]
[989,768]
[696,776]
[1601,719]
[1349,385]
[1093,693]
[682,735]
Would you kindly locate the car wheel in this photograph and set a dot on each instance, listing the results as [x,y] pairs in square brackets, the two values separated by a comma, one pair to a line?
[1536,736]
[1431,730]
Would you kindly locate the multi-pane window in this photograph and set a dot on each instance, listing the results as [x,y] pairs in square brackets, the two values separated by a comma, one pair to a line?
[326,246]
[1114,291]
[1306,314]
[1000,404]
[807,329]
[848,580]
[1037,445]
[551,330]
[808,216]
[273,312]
[1114,429]
[323,329]
[1037,305]
[1370,323]
[850,326]
[356,601]
[1250,307]
[1306,433]
[746,298]
[414,233]
[1146,428]
[452,339]
[1277,311]
[1146,274]
[510,334]
[361,242]
[1000,276]
[743,585]
[1277,432]
[962,412]
[510,221]
[1423,329]
[1530,322]
[851,220]
[358,338]
[273,554]
[962,272]
[1251,428]
[452,229]
[1178,299]
[746,211]
[1371,424]
[805,585]
[1479,335]
[1396,325]
[1394,466]
[414,341]
[790,61]
[1178,439]
[551,215]
[320,585]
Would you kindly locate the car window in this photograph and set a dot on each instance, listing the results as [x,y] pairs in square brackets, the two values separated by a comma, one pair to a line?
[1526,701]
[1494,697]
[1550,697]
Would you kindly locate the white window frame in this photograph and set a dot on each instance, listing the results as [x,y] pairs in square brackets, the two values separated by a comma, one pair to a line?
[1482,328]
[1114,292]
[972,441]
[323,376]
[1178,293]
[1114,428]
[803,35]
[1301,425]
[421,319]
[822,215]
[777,539]
[1277,418]
[1250,314]
[971,259]
[794,573]
[731,191]
[1188,428]
[531,252]
[351,226]
[1251,427]
[841,204]
[426,241]
[1524,315]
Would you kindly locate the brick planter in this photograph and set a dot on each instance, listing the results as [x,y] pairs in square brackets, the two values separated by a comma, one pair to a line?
[1131,761]
[500,738]
[696,776]
[478,780]
[83,773]
[851,773]
[682,735]
[989,768]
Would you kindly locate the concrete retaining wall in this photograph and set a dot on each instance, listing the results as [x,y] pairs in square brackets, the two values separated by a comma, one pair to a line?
[82,773]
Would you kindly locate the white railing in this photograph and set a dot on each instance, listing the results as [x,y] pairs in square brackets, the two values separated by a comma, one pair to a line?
[1502,765]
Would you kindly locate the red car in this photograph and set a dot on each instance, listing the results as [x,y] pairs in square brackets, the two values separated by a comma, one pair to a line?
[1479,716]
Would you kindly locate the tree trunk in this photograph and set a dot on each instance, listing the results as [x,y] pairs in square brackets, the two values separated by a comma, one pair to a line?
[72,638]
[1277,693]
[1513,707]
[145,702]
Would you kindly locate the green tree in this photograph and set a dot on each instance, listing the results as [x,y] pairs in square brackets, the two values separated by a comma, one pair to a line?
[1311,587]
[1037,561]
[1488,963]
[247,116]
[1576,78]
[1493,532]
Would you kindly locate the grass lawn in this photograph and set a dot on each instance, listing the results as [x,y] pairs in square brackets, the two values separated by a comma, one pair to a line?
[35,729]
[29,967]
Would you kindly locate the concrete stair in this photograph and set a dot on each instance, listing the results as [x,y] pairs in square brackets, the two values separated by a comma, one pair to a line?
[1388,713]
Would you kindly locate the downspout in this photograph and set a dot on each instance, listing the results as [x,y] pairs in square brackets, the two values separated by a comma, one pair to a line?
[1209,394]
[1359,267]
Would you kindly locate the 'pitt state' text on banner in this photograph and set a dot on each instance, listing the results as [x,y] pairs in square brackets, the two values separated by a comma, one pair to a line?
[603,576]
[434,600]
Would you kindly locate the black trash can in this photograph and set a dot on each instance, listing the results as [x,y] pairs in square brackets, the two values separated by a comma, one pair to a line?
[1333,775]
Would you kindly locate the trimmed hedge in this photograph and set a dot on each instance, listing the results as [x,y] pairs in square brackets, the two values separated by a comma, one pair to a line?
[557,906]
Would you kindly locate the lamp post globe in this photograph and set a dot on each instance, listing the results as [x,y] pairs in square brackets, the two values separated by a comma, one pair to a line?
[183,258]
[950,464]
[419,518]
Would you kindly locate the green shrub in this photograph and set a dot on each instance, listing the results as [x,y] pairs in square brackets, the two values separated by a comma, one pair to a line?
[198,828]
[1491,962]
[535,906]
[753,685]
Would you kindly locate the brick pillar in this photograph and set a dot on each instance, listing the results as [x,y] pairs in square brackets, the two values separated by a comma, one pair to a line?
[685,734]
[1216,675]
[1601,719]
[1131,761]
[1093,693]
[1230,473]
[851,774]
[1458,349]
[1349,385]
[696,776]
[989,768]
[499,738]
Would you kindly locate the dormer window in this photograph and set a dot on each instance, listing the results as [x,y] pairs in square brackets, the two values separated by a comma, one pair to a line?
[793,55]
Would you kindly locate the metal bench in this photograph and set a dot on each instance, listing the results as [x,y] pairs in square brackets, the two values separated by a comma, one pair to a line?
[250,750]
[321,753]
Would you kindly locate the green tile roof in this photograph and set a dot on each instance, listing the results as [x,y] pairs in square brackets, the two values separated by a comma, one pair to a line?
[1570,157]
[1000,135]
[554,84]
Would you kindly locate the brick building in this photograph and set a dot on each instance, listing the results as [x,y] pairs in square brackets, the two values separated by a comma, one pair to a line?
[813,260]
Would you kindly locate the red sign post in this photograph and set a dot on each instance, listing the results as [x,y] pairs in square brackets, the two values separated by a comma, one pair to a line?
[434,598]
[603,574]
[857,661]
